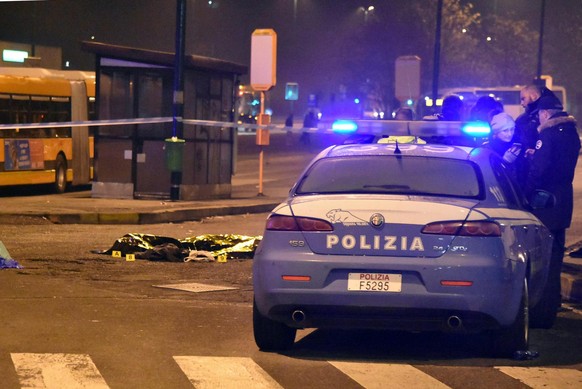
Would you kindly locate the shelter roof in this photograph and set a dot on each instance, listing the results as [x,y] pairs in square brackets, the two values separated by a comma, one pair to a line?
[161,58]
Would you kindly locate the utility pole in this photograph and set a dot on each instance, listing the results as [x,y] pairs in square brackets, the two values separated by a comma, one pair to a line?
[538,79]
[175,145]
[437,54]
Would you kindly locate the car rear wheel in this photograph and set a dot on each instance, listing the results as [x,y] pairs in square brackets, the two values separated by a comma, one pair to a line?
[514,338]
[271,335]
[60,174]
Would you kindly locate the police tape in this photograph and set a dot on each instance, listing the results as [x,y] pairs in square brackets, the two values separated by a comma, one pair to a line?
[374,127]
[138,121]
[91,123]
[153,120]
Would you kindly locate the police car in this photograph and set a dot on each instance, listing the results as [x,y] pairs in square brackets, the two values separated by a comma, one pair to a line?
[415,237]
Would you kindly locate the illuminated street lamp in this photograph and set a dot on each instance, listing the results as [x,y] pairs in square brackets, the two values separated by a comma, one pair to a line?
[366,11]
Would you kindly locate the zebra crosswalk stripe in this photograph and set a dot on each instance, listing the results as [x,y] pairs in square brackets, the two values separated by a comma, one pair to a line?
[72,371]
[225,372]
[386,375]
[57,371]
[545,378]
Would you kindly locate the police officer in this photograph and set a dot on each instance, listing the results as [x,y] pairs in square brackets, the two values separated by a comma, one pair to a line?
[526,126]
[552,170]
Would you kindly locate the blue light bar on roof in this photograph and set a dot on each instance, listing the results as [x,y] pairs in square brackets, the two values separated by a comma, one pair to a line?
[344,126]
[477,129]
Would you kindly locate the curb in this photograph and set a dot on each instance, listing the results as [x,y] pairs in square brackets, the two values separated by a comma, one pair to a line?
[176,216]
[571,281]
[571,288]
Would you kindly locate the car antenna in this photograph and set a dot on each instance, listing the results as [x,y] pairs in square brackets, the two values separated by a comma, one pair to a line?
[397,150]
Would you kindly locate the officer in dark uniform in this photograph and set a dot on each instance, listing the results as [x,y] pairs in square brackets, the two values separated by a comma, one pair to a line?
[526,126]
[552,170]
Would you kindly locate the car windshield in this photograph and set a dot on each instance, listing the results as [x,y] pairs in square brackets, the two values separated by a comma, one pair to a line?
[383,174]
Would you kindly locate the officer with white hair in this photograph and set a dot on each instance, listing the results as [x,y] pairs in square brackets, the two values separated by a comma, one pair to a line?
[502,131]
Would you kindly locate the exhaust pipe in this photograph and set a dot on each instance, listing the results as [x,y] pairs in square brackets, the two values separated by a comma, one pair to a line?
[298,316]
[454,322]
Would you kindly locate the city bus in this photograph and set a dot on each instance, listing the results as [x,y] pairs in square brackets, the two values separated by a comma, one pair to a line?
[34,149]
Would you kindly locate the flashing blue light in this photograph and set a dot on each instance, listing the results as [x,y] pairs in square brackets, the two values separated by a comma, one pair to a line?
[357,101]
[344,126]
[409,102]
[478,129]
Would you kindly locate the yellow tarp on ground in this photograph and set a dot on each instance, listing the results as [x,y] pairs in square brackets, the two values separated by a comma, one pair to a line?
[161,248]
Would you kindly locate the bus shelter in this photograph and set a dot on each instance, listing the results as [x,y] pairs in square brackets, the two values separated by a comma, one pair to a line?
[130,159]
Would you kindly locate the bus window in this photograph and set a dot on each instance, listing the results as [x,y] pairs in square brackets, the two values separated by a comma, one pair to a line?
[4,109]
[19,107]
[40,109]
[60,110]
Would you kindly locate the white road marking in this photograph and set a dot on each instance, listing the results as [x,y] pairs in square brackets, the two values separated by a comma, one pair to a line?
[58,371]
[196,287]
[546,378]
[225,373]
[76,371]
[571,308]
[386,375]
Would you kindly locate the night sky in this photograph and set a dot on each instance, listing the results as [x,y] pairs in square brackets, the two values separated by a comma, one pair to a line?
[310,37]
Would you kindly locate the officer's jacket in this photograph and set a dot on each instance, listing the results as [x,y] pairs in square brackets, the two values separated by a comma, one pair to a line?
[553,166]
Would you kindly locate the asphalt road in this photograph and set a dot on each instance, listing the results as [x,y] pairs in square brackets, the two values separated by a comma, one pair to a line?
[68,305]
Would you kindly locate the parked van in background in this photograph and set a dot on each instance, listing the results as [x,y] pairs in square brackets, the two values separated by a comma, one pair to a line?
[507,95]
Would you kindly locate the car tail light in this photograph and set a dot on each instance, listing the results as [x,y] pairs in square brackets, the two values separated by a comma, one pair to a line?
[296,278]
[474,228]
[456,283]
[290,223]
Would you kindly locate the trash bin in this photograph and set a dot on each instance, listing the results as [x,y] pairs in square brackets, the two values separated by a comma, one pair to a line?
[174,152]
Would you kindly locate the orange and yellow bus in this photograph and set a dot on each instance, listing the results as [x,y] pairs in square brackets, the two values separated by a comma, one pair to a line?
[34,148]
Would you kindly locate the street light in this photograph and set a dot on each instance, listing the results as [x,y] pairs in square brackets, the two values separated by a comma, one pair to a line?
[366,11]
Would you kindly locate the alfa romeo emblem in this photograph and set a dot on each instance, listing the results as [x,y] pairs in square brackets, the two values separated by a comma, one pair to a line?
[377,220]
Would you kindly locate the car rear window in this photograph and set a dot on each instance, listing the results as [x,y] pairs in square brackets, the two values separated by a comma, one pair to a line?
[392,174]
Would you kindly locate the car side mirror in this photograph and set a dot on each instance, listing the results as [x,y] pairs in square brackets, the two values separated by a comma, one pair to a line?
[542,199]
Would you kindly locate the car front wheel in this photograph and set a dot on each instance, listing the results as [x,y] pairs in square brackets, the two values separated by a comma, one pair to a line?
[271,335]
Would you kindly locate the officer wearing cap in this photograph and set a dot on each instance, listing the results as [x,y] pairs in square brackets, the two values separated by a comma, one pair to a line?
[552,170]
[526,125]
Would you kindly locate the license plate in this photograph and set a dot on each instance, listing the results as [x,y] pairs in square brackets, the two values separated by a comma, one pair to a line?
[375,282]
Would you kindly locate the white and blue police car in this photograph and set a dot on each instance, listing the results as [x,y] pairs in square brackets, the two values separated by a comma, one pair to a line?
[417,237]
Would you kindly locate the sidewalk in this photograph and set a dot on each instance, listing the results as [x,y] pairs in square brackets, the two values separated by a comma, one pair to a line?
[78,207]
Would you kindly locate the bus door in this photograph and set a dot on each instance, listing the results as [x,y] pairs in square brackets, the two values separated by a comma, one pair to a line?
[80,134]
